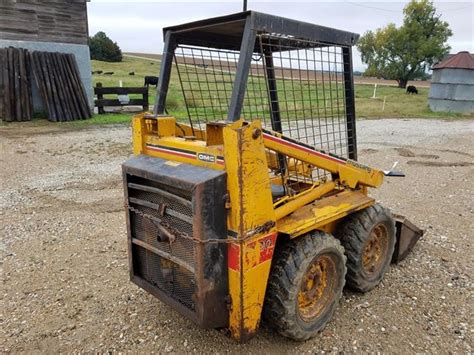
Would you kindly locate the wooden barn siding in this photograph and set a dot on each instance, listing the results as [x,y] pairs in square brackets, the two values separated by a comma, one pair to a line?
[44,21]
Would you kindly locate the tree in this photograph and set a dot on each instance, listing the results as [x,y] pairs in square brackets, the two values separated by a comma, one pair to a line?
[407,52]
[104,49]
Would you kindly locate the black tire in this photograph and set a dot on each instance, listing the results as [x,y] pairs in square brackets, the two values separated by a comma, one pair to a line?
[366,268]
[309,259]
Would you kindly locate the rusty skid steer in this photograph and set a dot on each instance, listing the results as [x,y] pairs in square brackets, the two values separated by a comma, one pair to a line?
[257,207]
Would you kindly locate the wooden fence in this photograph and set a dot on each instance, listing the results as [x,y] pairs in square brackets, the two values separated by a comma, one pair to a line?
[102,102]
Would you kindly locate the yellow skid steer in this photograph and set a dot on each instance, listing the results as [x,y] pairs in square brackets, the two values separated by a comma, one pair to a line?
[257,206]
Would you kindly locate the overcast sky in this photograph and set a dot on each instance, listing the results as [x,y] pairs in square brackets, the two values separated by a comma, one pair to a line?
[136,25]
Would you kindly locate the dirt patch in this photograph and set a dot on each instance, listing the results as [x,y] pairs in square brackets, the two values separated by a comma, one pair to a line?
[405,152]
[368,151]
[439,164]
[65,278]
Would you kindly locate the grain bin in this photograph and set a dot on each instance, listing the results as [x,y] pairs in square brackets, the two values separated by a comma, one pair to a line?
[452,84]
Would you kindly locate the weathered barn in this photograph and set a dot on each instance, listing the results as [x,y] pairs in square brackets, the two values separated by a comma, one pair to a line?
[452,84]
[50,26]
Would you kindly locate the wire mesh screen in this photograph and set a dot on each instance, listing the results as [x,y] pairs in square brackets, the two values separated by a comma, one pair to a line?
[294,86]
[307,91]
[207,77]
[298,83]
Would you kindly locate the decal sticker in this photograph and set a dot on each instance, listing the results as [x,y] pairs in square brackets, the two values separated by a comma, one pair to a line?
[267,246]
[233,257]
[206,157]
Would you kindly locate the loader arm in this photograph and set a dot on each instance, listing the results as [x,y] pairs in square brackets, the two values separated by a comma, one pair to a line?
[349,172]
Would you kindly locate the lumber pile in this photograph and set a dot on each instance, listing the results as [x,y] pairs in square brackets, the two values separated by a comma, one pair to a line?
[60,86]
[15,83]
[57,79]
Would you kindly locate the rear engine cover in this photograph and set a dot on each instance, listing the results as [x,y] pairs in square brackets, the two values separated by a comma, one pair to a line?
[187,203]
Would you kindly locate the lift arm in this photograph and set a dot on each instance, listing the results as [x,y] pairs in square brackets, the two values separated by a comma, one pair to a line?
[350,172]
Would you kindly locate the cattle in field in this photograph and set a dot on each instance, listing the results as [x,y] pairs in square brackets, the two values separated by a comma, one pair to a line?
[151,80]
[131,73]
[412,90]
[109,73]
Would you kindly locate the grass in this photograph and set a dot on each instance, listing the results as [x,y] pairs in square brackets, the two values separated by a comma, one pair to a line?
[397,103]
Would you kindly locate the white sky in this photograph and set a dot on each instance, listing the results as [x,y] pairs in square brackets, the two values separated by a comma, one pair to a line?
[137,25]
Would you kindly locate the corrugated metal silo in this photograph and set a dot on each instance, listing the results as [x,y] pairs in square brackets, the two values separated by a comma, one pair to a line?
[452,84]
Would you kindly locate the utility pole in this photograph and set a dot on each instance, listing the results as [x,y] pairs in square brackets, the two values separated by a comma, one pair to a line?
[245,5]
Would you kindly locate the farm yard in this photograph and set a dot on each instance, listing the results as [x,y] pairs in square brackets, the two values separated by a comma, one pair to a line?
[248,191]
[65,280]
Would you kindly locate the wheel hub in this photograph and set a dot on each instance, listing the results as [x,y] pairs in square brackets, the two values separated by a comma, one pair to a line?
[375,250]
[317,287]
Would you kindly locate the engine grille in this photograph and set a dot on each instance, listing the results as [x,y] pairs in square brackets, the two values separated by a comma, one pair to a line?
[176,279]
[184,203]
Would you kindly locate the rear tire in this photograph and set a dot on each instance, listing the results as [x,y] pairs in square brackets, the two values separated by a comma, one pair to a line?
[305,285]
[368,237]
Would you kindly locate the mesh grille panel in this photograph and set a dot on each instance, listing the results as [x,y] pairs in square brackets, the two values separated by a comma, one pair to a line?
[168,276]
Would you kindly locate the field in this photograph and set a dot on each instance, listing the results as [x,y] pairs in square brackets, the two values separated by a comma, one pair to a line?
[397,102]
[65,280]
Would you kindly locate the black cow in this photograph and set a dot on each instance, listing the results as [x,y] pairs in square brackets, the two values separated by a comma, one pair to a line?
[151,80]
[412,90]
[109,73]
[131,73]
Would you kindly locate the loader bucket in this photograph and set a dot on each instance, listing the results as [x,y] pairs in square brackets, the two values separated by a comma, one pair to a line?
[407,236]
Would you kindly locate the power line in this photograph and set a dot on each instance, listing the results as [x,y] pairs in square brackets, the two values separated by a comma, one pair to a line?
[371,7]
[398,11]
[458,8]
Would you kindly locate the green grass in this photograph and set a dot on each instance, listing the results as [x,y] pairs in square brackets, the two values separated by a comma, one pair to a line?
[397,102]
[108,118]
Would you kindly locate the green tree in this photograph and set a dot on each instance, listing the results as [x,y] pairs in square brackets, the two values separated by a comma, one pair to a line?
[407,52]
[104,49]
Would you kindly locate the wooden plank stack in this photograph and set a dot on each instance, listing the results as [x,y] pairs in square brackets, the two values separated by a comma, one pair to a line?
[60,86]
[15,83]
[58,81]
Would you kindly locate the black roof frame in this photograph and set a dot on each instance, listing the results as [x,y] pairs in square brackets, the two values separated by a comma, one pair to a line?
[198,32]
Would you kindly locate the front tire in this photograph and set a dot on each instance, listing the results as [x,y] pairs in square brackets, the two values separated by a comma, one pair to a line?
[305,286]
[368,237]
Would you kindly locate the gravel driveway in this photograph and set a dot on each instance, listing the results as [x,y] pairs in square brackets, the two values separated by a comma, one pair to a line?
[65,284]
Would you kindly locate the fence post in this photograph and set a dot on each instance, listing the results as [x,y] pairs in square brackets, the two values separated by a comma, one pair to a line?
[100,97]
[145,100]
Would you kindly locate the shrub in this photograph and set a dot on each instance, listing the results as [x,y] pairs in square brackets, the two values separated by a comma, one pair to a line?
[104,49]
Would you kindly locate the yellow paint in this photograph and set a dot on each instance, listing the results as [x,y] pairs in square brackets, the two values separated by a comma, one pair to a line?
[349,174]
[323,212]
[248,183]
[305,198]
[242,151]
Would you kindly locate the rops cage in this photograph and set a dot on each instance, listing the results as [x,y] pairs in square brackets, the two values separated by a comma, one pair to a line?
[294,76]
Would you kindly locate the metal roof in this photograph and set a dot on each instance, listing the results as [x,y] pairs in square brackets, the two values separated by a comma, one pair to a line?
[462,60]
[228,30]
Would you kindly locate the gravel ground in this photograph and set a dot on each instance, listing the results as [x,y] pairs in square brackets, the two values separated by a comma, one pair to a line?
[65,284]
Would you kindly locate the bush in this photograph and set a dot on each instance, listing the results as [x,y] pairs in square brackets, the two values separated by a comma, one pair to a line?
[104,49]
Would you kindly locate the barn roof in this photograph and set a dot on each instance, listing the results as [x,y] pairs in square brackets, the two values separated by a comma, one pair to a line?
[462,60]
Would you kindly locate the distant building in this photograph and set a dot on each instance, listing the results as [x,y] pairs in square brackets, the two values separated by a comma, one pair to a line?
[50,26]
[452,84]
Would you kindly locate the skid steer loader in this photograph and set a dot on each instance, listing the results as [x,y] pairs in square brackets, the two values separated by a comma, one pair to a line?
[256,207]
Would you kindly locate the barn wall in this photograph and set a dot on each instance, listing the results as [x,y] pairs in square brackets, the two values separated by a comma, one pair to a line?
[452,90]
[44,21]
